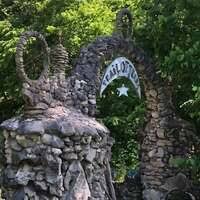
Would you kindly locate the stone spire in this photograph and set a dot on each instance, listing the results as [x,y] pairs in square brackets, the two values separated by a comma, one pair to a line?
[59,59]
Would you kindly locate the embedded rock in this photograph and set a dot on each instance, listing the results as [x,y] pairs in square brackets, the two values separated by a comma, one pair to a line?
[178,182]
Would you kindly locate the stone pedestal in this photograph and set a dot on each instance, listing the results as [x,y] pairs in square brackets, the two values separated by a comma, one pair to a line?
[64,155]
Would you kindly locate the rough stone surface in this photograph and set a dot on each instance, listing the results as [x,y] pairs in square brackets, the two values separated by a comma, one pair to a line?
[178,182]
[152,194]
[58,166]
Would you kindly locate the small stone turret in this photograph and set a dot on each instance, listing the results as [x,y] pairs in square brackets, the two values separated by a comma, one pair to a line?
[53,151]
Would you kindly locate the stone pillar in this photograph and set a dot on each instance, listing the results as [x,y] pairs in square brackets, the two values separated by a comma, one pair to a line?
[165,137]
[61,156]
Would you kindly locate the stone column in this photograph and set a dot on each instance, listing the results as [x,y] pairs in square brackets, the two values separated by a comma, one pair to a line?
[165,137]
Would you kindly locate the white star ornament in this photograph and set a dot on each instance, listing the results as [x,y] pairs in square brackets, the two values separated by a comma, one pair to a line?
[123,90]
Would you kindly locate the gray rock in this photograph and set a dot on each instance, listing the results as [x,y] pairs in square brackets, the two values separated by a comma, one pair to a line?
[67,128]
[68,150]
[41,185]
[91,155]
[46,198]
[31,194]
[86,140]
[40,176]
[70,156]
[56,151]
[152,194]
[160,152]
[10,124]
[65,166]
[51,126]
[155,115]
[19,195]
[10,172]
[23,141]
[152,153]
[75,182]
[57,142]
[24,175]
[153,93]
[47,139]
[77,84]
[55,190]
[77,148]
[161,133]
[179,182]
[31,127]
[52,140]
[42,106]
[51,176]
[92,101]
[81,96]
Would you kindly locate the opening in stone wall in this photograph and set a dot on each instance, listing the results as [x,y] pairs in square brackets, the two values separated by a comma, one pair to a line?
[123,115]
[34,58]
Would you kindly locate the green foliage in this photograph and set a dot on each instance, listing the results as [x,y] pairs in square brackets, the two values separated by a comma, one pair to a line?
[192,106]
[123,115]
[78,21]
[192,163]
[9,90]
[81,25]
[170,34]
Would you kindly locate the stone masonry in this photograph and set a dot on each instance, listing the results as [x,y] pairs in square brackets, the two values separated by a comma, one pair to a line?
[63,156]
[53,151]
[57,150]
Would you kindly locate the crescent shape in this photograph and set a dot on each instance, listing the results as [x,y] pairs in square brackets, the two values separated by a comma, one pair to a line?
[121,67]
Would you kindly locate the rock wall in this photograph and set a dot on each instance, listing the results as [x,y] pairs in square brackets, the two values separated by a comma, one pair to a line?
[62,156]
[165,137]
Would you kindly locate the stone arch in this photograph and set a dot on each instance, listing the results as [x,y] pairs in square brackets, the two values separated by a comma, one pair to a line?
[164,135]
[93,56]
